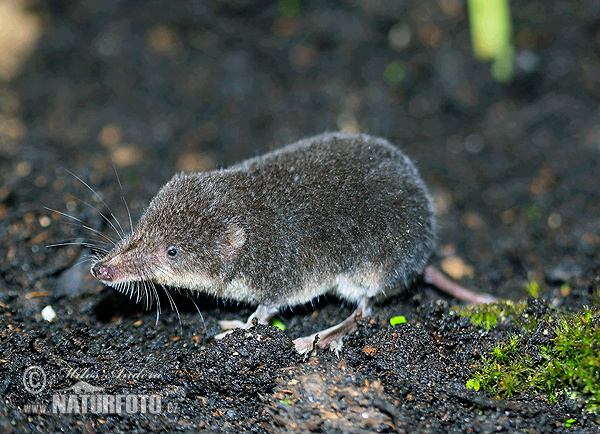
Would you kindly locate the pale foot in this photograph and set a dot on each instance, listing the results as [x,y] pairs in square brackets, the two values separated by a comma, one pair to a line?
[332,337]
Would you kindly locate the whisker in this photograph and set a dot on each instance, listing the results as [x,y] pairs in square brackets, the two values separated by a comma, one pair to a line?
[191,297]
[106,219]
[134,290]
[149,297]
[171,301]
[84,244]
[147,291]
[96,257]
[94,243]
[123,196]
[83,261]
[174,307]
[101,200]
[83,224]
[158,308]
[138,296]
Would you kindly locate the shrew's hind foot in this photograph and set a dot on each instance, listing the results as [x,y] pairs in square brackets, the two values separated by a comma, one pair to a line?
[332,337]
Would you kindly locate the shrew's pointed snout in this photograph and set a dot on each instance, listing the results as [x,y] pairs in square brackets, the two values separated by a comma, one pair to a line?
[102,272]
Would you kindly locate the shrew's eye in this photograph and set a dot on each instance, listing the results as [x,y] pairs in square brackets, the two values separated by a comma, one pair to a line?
[172,252]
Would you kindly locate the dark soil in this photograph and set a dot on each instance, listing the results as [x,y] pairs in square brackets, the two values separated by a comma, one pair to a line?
[155,87]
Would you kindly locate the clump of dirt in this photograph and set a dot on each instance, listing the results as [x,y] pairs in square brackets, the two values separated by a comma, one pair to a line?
[325,396]
[245,362]
[149,90]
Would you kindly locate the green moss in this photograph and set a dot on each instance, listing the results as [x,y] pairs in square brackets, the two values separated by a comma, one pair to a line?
[576,355]
[532,288]
[489,315]
[569,363]
[507,371]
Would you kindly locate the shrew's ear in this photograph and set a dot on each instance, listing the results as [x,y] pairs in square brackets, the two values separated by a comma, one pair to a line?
[231,242]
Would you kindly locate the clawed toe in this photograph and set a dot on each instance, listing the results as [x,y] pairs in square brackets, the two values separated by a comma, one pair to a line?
[332,337]
[305,344]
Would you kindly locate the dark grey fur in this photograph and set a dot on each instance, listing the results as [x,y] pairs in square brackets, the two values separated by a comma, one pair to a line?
[342,209]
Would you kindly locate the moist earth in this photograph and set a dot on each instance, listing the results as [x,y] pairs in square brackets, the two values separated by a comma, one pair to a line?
[122,94]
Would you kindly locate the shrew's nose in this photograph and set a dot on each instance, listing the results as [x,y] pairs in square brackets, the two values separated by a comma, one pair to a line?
[102,272]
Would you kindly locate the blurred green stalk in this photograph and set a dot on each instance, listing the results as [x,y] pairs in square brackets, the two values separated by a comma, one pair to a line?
[491,30]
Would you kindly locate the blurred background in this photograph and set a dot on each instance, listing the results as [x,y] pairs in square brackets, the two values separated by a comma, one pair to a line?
[498,107]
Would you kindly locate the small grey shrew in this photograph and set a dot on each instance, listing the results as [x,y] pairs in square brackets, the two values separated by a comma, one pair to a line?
[341,213]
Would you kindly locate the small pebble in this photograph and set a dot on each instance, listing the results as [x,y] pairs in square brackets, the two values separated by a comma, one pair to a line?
[48,313]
